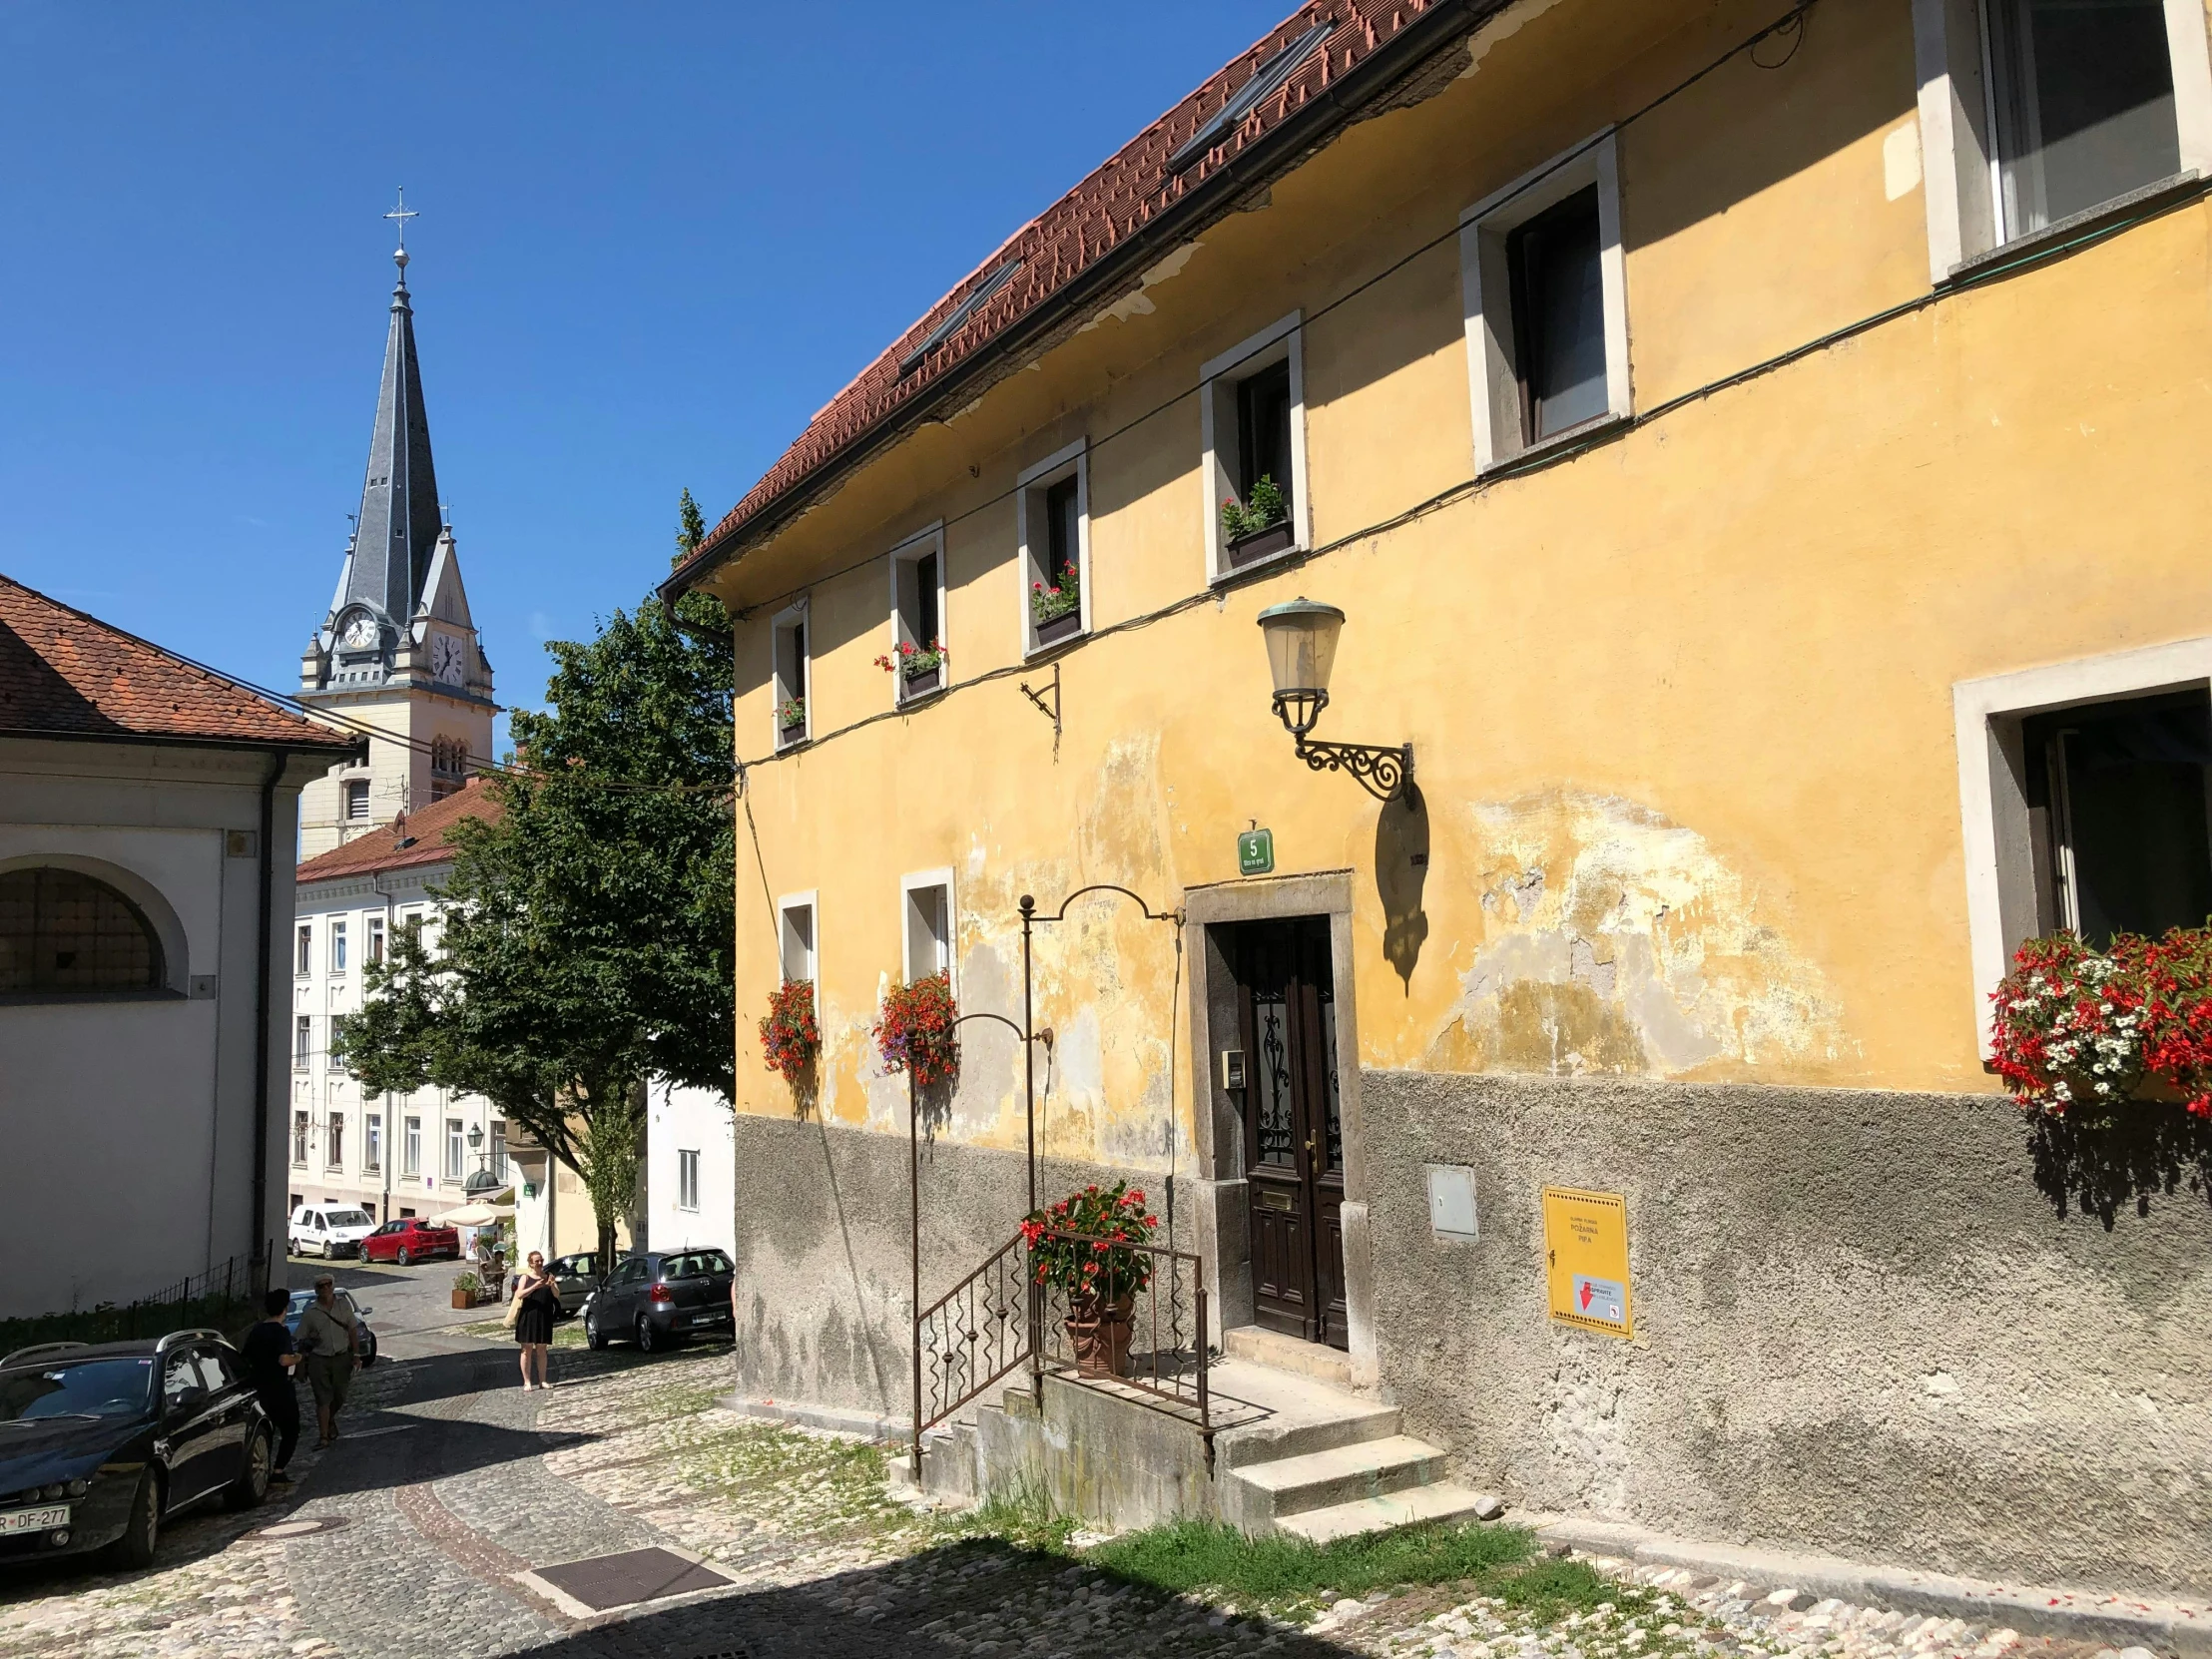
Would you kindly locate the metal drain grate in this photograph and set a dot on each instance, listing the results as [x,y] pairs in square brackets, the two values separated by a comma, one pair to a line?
[636,1575]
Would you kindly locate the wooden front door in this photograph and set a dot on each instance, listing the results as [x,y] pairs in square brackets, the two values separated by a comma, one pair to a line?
[1294,1128]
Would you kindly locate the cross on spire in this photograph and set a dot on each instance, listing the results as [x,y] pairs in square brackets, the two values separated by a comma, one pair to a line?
[402,215]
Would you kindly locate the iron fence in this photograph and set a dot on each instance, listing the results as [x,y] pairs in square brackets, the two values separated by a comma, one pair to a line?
[973,1335]
[226,1296]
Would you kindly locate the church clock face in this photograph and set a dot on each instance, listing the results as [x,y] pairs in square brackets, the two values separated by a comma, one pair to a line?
[360,632]
[445,659]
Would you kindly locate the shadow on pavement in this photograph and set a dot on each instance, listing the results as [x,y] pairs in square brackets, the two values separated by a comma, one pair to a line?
[972,1586]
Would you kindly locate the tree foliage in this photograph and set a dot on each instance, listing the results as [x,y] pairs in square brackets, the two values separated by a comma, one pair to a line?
[587,934]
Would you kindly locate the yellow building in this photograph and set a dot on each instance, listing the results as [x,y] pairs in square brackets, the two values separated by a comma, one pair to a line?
[1753,452]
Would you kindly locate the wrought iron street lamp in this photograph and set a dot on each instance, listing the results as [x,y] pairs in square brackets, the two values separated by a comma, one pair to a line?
[1302,650]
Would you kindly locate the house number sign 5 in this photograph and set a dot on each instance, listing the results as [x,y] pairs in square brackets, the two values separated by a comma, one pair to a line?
[1255,851]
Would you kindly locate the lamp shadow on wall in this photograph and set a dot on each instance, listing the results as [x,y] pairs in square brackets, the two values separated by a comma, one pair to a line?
[1401,872]
[2153,1150]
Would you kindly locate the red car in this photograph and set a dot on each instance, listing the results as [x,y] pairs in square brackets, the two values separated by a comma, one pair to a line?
[410,1238]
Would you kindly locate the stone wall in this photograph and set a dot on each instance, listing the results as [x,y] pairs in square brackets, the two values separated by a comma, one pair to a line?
[823,1249]
[1861,1327]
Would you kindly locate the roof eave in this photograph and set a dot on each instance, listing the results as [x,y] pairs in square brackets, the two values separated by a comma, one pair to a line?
[1276,151]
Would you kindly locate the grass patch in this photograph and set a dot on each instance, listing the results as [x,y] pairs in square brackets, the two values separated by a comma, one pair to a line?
[1025,1520]
[1290,1574]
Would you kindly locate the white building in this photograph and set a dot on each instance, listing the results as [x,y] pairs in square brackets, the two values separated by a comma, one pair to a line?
[393,1155]
[147,812]
[690,1169]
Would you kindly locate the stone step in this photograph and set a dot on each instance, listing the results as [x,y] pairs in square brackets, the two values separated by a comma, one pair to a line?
[1262,1414]
[1442,1501]
[1265,1494]
[1303,1359]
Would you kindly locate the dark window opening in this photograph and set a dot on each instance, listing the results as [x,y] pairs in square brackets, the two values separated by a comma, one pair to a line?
[62,932]
[2085,104]
[1558,302]
[1061,539]
[1264,430]
[2119,793]
[356,799]
[925,599]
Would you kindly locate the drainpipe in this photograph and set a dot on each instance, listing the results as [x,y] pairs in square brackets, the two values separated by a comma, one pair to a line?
[264,996]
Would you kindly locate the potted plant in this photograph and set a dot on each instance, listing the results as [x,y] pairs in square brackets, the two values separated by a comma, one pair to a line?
[790,1036]
[468,1289]
[919,671]
[1081,1248]
[1253,529]
[915,1032]
[791,720]
[2080,1030]
[1057,610]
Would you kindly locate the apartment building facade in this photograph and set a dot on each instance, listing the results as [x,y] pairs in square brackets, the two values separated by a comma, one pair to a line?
[392,1155]
[1753,457]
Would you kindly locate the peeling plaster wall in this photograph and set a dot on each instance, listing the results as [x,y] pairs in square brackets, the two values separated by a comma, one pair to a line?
[1859,1327]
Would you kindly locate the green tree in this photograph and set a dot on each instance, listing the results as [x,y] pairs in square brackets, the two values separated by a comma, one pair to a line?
[587,937]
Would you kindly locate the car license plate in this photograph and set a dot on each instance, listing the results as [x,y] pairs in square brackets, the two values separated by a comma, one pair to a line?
[13,1521]
[709,1319]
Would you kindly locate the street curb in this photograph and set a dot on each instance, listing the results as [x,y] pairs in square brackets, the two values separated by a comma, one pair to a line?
[2083,1615]
[818,1416]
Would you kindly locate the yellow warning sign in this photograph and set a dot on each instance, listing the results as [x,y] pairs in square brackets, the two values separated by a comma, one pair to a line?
[1586,1259]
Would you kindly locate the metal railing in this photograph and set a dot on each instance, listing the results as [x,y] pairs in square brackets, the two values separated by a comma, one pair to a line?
[225,1296]
[973,1335]
[999,1316]
[1167,1343]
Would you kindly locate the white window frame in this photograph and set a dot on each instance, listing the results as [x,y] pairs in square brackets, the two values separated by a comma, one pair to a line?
[911,551]
[337,946]
[373,1143]
[1486,284]
[1034,536]
[794,616]
[687,1179]
[499,1157]
[347,815]
[303,951]
[1282,340]
[800,901]
[333,1140]
[302,1041]
[1992,772]
[908,885]
[1958,123]
[302,1127]
[455,1166]
[411,1147]
[373,942]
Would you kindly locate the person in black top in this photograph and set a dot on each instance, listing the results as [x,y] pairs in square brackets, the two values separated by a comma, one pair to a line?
[269,1358]
[540,1305]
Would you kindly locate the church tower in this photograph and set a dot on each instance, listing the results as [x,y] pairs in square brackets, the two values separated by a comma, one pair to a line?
[397,649]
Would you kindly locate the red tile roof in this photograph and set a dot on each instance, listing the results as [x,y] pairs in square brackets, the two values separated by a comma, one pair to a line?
[416,838]
[64,674]
[1079,237]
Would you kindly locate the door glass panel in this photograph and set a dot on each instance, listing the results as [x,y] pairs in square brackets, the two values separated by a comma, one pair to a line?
[1333,1125]
[1271,1086]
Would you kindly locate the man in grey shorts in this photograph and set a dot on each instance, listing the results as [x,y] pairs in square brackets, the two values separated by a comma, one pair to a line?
[327,1330]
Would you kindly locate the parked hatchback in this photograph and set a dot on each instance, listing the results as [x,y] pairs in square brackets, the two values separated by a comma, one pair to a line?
[329,1230]
[100,1446]
[410,1238]
[659,1298]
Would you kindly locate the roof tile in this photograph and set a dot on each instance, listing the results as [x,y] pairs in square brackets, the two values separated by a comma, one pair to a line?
[412,839]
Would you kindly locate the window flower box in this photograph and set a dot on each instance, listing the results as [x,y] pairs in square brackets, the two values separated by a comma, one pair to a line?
[921,682]
[1063,627]
[919,671]
[1245,550]
[791,722]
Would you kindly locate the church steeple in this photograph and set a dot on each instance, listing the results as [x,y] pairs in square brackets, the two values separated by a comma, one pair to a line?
[397,646]
[398,527]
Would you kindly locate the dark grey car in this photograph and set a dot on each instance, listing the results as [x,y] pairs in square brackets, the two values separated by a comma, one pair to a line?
[659,1298]
[575,1277]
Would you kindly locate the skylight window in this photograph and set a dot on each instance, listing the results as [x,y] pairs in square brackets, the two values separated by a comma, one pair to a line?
[960,314]
[1255,92]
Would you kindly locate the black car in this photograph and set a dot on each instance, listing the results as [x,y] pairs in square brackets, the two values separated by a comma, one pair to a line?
[100,1444]
[658,1298]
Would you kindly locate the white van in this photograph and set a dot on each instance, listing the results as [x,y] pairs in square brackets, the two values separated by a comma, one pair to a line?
[329,1230]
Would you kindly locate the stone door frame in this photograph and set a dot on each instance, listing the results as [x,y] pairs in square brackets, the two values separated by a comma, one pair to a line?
[1220,1128]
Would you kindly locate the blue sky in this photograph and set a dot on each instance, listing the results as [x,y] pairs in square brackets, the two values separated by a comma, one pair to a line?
[654,239]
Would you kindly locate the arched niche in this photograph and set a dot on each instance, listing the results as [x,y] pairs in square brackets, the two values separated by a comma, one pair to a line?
[128,894]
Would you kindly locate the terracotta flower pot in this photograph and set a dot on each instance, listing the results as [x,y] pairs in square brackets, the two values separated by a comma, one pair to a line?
[1099,1334]
[462,1299]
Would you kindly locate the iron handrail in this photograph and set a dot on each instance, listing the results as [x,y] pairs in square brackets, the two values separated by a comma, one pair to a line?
[971,1328]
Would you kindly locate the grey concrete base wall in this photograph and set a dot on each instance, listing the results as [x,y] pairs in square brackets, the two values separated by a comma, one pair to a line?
[1859,1327]
[823,1249]
[1093,1456]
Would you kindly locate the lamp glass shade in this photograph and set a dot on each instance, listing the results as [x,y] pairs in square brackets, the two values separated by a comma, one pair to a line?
[1302,644]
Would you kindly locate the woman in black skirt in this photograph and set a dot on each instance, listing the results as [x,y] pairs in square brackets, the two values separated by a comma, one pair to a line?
[540,1303]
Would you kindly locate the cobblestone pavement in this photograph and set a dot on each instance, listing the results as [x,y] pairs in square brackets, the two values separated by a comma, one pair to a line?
[452,1484]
